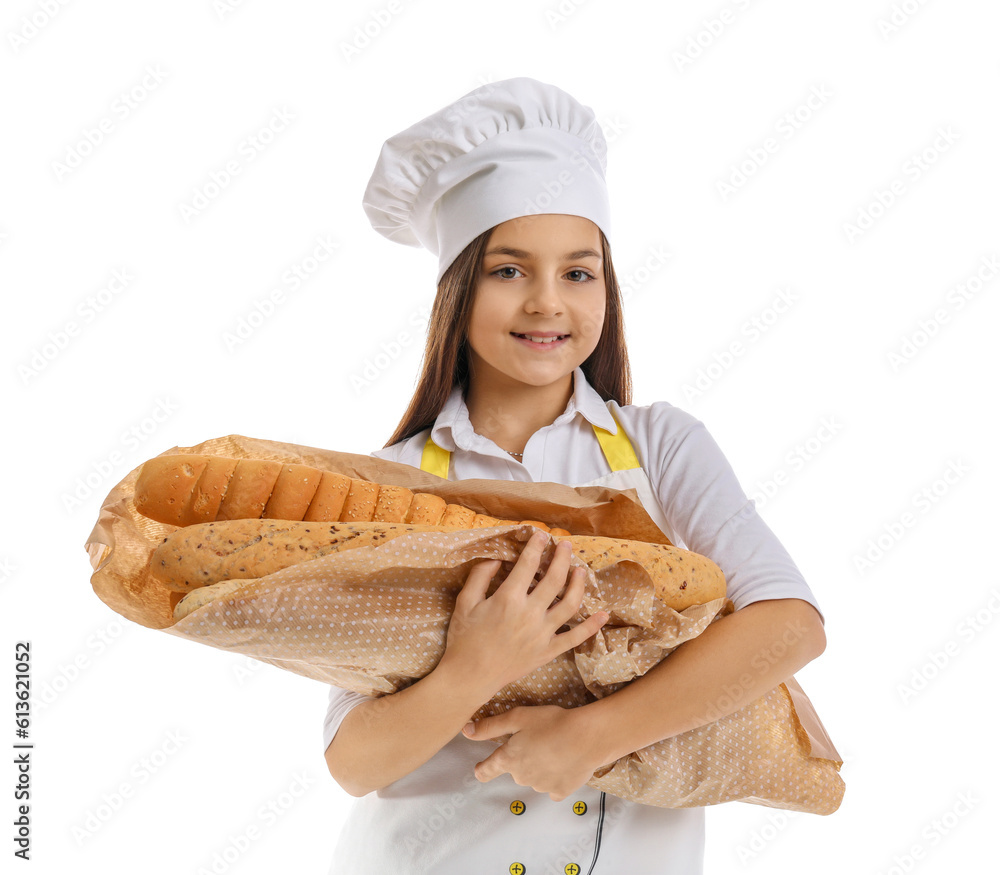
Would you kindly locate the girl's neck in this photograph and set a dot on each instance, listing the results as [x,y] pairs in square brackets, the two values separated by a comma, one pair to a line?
[510,413]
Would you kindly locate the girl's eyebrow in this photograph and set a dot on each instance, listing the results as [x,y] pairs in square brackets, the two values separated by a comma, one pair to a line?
[520,253]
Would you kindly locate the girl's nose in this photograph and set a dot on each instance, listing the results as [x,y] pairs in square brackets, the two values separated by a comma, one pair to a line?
[543,296]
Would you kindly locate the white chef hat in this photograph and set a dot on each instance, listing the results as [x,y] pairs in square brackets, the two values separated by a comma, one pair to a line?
[507,149]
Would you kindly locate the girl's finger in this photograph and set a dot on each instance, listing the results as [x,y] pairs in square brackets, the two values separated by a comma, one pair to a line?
[524,569]
[580,633]
[554,579]
[474,589]
[571,600]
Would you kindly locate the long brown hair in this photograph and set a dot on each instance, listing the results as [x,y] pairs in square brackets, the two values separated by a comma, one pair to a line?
[446,363]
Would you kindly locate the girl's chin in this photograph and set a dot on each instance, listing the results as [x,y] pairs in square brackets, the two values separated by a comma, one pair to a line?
[538,377]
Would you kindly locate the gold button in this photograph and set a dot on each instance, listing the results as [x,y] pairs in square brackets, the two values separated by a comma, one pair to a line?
[517,807]
[571,869]
[516,869]
[580,807]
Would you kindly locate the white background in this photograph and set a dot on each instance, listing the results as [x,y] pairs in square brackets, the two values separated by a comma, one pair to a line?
[156,753]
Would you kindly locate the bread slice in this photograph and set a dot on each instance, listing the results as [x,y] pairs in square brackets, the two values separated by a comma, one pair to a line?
[293,491]
[248,492]
[458,516]
[392,504]
[163,491]
[328,502]
[360,502]
[207,495]
[426,509]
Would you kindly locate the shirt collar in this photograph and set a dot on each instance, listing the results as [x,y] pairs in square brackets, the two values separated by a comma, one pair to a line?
[452,429]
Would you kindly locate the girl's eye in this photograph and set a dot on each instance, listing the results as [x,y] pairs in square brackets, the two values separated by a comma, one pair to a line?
[584,275]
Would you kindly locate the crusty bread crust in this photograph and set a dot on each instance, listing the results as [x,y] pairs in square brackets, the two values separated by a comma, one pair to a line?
[186,490]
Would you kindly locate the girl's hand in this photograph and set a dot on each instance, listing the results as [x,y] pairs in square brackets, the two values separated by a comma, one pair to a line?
[549,749]
[497,640]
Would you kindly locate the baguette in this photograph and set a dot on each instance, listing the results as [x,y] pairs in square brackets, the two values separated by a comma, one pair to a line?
[186,490]
[207,554]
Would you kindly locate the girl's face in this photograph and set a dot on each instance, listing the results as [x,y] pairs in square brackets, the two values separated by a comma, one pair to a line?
[542,275]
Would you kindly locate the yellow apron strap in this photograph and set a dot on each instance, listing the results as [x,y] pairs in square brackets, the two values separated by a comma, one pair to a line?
[617,450]
[617,447]
[434,460]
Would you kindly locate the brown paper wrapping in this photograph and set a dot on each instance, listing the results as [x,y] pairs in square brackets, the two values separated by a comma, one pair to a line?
[373,620]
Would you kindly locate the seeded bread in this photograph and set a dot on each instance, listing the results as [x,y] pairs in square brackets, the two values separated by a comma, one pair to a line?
[205,554]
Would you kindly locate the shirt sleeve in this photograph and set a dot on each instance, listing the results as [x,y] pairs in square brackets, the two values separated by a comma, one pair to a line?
[705,504]
[339,704]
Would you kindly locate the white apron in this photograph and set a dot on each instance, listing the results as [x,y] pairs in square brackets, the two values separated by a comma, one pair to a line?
[440,819]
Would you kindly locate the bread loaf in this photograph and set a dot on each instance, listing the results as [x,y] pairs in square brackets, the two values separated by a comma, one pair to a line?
[185,490]
[208,553]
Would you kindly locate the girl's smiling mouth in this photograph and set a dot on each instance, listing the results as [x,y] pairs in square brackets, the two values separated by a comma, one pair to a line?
[541,339]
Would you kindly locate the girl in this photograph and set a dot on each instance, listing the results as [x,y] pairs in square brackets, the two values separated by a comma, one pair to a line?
[526,377]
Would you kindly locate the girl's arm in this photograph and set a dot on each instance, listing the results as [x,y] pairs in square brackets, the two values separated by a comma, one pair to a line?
[383,739]
[735,660]
[491,642]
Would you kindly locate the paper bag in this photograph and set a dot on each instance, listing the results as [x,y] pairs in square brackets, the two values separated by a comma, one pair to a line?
[374,619]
